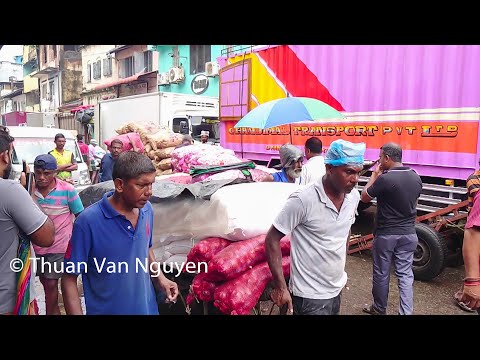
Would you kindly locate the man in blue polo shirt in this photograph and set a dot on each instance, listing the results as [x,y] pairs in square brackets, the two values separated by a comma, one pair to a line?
[111,248]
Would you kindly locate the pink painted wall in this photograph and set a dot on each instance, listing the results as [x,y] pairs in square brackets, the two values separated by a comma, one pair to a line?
[389,78]
[396,77]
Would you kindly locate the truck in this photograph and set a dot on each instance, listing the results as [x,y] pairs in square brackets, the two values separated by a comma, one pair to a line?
[425,98]
[185,114]
[31,141]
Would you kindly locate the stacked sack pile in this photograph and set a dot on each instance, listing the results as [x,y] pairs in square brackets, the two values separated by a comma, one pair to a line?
[159,143]
[189,156]
[201,154]
[233,275]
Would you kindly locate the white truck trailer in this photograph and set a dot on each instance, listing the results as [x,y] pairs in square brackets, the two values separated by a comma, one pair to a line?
[187,114]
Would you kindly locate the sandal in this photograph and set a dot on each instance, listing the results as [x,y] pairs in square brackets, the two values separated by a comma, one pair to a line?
[370,310]
[463,306]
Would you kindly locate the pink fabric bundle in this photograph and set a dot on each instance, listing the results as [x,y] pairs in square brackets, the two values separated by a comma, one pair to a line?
[127,140]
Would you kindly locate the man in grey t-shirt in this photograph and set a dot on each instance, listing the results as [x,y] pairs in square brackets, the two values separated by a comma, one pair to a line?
[319,218]
[18,212]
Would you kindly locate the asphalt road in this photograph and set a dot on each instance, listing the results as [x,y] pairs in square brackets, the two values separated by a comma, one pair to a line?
[434,297]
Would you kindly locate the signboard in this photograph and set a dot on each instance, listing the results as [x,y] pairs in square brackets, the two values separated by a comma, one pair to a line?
[199,84]
[453,136]
[133,89]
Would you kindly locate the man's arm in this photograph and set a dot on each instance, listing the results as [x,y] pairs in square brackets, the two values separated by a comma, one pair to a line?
[280,294]
[77,253]
[74,203]
[45,235]
[288,219]
[28,216]
[160,281]
[268,178]
[69,167]
[471,254]
[368,196]
[100,169]
[73,164]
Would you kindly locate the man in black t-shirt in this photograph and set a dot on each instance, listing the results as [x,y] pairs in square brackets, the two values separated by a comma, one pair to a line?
[397,189]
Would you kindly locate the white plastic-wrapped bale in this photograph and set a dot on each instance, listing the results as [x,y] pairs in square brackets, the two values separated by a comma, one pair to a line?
[251,207]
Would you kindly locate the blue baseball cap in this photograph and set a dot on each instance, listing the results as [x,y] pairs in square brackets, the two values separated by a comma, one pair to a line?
[45,162]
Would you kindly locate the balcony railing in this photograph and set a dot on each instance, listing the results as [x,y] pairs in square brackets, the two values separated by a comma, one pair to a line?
[230,50]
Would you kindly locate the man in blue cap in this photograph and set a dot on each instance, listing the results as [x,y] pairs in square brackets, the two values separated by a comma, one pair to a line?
[318,217]
[60,202]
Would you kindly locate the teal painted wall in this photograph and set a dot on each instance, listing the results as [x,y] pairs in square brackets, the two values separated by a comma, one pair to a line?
[28,69]
[166,62]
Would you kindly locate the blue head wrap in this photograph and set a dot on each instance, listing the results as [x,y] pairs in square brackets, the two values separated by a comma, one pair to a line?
[343,152]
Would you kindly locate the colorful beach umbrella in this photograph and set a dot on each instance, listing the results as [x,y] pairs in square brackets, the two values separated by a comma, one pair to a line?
[286,111]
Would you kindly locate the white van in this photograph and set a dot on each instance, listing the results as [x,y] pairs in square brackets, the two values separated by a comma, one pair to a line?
[33,141]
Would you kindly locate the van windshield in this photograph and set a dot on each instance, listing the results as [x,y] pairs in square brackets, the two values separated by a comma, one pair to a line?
[29,148]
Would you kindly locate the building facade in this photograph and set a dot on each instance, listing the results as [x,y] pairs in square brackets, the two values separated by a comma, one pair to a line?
[11,86]
[99,69]
[183,68]
[60,77]
[118,71]
[31,87]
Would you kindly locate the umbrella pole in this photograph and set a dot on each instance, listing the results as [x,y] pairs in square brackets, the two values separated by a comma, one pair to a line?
[241,143]
[291,139]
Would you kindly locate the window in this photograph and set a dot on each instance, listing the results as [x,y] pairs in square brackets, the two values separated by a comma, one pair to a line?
[89,73]
[147,61]
[69,48]
[97,69]
[52,89]
[199,55]
[44,91]
[128,66]
[180,125]
[30,148]
[107,67]
[44,50]
[54,48]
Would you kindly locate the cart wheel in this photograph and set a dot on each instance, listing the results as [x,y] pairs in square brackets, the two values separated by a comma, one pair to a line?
[430,255]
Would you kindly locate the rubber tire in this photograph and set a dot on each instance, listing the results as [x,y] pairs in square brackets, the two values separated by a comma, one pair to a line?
[436,246]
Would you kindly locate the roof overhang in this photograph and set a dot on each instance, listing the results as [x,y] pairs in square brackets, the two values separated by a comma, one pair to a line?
[130,79]
[12,94]
[44,72]
[71,105]
[81,107]
[117,49]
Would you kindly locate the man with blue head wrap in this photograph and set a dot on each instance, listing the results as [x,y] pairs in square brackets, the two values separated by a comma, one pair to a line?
[318,218]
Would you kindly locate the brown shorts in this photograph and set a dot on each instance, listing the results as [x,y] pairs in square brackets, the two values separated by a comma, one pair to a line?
[50,266]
